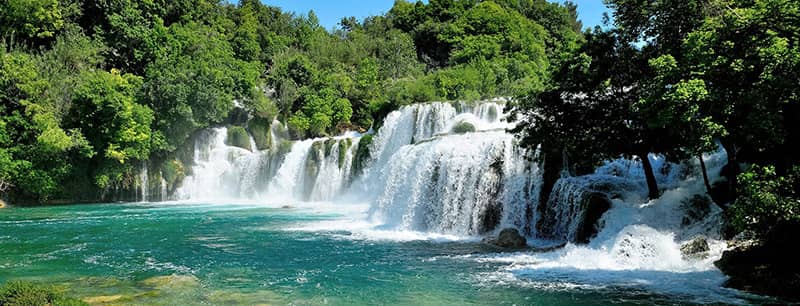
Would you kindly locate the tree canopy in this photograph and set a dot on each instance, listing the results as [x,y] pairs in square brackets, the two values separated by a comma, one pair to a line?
[90,89]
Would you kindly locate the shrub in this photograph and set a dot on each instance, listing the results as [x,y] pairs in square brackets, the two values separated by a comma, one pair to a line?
[463,127]
[29,294]
[765,199]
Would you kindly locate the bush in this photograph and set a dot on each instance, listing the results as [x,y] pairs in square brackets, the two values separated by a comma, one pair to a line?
[463,127]
[238,137]
[30,294]
[765,199]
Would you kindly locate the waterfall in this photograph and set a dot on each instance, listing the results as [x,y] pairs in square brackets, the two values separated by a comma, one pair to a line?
[164,191]
[313,169]
[424,171]
[460,184]
[143,182]
[452,170]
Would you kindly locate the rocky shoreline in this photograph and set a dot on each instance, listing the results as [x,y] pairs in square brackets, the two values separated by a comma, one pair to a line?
[764,266]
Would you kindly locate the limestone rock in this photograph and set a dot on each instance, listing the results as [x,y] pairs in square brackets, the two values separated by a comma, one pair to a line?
[509,238]
[696,249]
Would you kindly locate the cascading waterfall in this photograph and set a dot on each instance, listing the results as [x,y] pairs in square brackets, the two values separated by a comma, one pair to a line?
[454,170]
[423,173]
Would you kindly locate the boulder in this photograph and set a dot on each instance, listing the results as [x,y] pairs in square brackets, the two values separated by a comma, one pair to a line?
[768,266]
[696,249]
[509,238]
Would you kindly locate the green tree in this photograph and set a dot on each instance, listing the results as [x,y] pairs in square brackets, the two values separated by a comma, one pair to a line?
[114,124]
[194,81]
[30,21]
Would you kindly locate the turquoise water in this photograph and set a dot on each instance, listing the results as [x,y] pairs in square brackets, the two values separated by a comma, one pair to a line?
[248,254]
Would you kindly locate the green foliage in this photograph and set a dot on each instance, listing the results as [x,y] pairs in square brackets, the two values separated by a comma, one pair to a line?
[173,171]
[261,129]
[362,155]
[107,99]
[765,199]
[238,137]
[180,66]
[30,20]
[29,294]
[463,128]
[194,81]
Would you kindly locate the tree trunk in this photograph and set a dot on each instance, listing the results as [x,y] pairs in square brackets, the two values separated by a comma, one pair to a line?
[652,185]
[732,169]
[715,196]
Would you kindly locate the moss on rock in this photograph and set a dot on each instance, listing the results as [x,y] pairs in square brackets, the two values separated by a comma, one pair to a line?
[260,128]
[238,137]
[362,155]
[344,145]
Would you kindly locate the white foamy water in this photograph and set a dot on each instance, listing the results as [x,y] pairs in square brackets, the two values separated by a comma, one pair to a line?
[421,181]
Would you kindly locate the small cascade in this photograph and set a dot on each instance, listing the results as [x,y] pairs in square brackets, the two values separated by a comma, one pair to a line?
[164,192]
[327,168]
[287,180]
[220,171]
[143,182]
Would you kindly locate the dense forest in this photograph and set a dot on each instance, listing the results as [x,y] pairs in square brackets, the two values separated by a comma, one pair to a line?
[90,89]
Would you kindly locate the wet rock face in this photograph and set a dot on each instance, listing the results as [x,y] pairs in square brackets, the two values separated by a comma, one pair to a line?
[594,207]
[696,249]
[768,266]
[509,238]
[574,210]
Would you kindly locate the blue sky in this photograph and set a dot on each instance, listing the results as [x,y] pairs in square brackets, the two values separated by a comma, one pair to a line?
[331,11]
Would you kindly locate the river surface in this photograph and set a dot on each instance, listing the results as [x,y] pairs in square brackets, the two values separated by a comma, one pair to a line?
[226,254]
